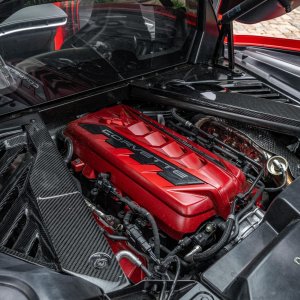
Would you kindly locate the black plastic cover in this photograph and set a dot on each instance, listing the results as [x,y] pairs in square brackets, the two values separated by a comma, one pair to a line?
[150,289]
[266,265]
[22,280]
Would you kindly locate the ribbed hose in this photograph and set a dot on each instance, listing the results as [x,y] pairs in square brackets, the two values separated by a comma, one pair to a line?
[150,219]
[209,253]
[69,144]
[185,122]
[70,150]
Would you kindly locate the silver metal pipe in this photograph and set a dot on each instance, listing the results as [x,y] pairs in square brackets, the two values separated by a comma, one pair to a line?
[94,209]
[134,259]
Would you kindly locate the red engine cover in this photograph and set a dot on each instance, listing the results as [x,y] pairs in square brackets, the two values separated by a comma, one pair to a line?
[180,183]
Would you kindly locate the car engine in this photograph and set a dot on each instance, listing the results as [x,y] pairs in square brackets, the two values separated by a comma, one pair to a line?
[181,184]
[166,189]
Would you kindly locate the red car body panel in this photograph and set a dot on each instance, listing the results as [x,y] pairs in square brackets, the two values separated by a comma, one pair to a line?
[267,42]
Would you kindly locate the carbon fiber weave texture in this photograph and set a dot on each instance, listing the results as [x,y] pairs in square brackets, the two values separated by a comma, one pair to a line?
[73,232]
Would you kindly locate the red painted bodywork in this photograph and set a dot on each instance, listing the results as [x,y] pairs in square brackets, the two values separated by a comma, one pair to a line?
[267,42]
[179,210]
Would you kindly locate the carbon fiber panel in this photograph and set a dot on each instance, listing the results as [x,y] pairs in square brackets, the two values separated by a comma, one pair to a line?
[255,107]
[260,105]
[274,115]
[21,231]
[72,230]
[9,156]
[20,139]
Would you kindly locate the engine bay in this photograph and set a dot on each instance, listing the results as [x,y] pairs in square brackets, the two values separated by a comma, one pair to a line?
[174,191]
[149,199]
[148,152]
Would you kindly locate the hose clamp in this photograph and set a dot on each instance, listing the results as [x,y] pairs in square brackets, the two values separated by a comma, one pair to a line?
[232,217]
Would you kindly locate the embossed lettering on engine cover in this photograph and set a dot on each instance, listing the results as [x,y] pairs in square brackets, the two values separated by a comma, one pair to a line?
[169,171]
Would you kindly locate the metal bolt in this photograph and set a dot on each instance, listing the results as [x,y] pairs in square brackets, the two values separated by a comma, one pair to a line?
[209,228]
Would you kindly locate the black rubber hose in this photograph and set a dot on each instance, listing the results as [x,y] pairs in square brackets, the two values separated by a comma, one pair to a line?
[181,246]
[127,218]
[209,253]
[232,221]
[190,125]
[70,150]
[270,190]
[259,183]
[115,237]
[279,188]
[69,144]
[185,122]
[169,260]
[156,238]
[249,206]
[254,184]
[236,230]
[167,251]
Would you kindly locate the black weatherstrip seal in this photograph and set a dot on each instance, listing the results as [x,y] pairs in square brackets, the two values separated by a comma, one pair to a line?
[169,171]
